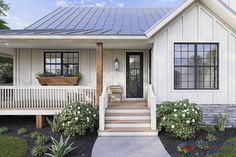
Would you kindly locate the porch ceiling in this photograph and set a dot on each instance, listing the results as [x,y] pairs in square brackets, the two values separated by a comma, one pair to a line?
[74,44]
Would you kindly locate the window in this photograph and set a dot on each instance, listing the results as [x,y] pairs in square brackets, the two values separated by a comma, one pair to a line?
[196,66]
[61,63]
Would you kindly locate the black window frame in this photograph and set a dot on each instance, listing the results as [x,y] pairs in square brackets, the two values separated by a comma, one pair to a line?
[195,66]
[62,60]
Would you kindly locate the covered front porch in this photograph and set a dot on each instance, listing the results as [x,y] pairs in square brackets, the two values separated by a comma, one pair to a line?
[96,63]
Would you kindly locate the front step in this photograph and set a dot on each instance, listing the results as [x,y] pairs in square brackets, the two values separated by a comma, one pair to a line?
[128,132]
[128,111]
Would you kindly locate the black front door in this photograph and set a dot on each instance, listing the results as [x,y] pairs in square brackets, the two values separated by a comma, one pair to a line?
[134,75]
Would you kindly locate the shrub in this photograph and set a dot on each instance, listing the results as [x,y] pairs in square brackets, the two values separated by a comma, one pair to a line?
[41,140]
[35,134]
[78,118]
[60,148]
[38,151]
[12,146]
[221,122]
[211,138]
[55,124]
[182,119]
[3,130]
[208,128]
[22,131]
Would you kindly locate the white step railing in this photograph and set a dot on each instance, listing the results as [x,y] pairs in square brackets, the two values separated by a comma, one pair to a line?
[44,97]
[152,106]
[103,104]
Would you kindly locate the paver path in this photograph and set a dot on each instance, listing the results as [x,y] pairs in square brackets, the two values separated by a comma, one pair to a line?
[129,147]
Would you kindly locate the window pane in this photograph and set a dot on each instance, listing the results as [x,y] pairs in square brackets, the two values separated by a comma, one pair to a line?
[196,68]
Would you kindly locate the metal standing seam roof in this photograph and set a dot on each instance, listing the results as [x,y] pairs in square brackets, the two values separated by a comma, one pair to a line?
[94,21]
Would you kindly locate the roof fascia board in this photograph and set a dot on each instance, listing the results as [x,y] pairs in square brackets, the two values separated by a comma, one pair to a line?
[221,11]
[69,37]
[156,27]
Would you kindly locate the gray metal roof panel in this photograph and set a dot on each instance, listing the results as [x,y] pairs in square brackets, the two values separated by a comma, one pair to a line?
[95,21]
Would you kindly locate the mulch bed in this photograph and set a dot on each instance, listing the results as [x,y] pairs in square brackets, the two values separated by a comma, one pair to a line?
[84,143]
[170,143]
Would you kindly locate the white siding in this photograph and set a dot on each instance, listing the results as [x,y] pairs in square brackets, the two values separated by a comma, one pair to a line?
[196,24]
[28,62]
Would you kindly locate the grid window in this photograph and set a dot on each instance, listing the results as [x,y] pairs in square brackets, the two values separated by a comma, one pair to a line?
[61,63]
[196,66]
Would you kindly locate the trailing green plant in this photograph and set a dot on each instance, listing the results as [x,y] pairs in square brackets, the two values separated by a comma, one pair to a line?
[41,140]
[60,148]
[35,134]
[202,145]
[211,138]
[22,131]
[208,128]
[182,119]
[55,123]
[78,118]
[39,151]
[221,122]
[3,130]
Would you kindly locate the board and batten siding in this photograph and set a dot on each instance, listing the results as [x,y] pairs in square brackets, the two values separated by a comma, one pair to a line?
[195,24]
[28,62]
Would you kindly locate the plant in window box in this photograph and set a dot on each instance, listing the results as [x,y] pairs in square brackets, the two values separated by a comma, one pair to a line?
[52,79]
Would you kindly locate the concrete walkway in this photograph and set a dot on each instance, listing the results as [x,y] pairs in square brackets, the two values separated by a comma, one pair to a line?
[129,147]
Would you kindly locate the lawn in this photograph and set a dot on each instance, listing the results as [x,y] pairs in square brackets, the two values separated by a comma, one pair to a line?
[19,144]
[12,146]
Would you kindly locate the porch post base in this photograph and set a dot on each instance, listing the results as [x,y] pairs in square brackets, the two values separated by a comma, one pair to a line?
[40,121]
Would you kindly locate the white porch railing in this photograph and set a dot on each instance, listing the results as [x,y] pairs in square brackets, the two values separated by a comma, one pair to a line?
[152,106]
[103,104]
[24,100]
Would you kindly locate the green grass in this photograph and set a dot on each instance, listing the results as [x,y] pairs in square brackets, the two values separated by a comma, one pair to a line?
[229,149]
[12,146]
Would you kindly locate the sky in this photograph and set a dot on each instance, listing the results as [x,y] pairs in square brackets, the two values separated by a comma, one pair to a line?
[22,13]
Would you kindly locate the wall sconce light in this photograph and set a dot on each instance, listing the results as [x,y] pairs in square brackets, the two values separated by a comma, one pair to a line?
[116,64]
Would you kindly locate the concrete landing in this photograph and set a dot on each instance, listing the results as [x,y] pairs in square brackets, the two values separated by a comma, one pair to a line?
[129,147]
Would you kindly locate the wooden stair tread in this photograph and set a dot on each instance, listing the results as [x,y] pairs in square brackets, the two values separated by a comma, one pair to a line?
[127,129]
[127,114]
[127,122]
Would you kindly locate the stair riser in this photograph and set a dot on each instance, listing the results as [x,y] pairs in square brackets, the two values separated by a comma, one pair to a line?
[127,134]
[127,118]
[127,125]
[128,111]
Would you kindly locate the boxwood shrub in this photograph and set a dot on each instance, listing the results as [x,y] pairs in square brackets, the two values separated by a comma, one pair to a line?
[182,119]
[78,118]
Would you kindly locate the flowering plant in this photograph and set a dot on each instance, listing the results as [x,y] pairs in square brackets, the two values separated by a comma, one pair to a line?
[182,118]
[77,118]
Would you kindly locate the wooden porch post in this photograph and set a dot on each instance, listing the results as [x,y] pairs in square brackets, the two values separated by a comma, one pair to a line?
[40,121]
[99,69]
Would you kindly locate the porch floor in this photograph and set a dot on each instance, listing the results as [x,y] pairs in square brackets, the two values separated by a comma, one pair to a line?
[128,105]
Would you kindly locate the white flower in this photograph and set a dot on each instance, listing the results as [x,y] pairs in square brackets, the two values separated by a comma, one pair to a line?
[187,121]
[187,109]
[193,110]
[78,108]
[94,115]
[196,112]
[176,115]
[187,112]
[197,107]
[161,105]
[175,110]
[63,124]
[185,105]
[183,115]
[87,109]
[78,112]
[193,120]
[68,122]
[74,113]
[184,111]
[172,126]
[76,118]
[87,119]
[71,106]
[164,118]
[175,104]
